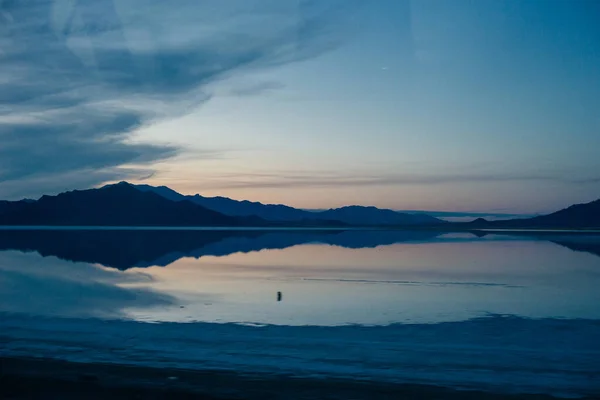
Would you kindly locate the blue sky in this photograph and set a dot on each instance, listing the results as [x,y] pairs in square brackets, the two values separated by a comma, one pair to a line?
[483,105]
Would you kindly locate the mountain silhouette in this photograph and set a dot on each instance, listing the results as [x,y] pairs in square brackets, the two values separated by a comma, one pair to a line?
[578,216]
[235,208]
[359,215]
[124,204]
[351,215]
[7,207]
[115,205]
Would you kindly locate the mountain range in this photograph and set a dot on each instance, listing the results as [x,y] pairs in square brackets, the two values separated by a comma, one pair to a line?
[125,204]
[578,216]
[114,205]
[351,215]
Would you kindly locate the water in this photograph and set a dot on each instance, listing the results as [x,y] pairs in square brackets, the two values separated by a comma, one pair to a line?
[491,311]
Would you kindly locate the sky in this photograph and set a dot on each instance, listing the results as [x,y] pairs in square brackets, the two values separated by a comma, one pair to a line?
[465,105]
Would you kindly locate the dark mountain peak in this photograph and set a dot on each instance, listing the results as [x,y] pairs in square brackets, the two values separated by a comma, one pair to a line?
[120,204]
[258,203]
[163,191]
[110,185]
[121,188]
[479,223]
[121,192]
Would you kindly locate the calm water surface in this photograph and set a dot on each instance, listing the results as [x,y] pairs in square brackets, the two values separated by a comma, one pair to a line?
[298,278]
[490,311]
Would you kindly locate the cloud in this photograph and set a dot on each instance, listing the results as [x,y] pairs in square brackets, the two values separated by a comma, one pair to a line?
[78,78]
[287,179]
[255,88]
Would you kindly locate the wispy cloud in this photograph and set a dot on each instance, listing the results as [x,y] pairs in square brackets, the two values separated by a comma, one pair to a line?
[77,77]
[287,179]
[255,88]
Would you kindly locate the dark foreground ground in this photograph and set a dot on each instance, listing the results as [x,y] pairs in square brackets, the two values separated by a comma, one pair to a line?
[22,378]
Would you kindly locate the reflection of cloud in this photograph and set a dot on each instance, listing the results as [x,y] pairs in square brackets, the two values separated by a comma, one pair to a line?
[47,286]
[77,78]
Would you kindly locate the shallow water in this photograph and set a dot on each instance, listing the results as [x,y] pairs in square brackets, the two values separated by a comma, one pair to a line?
[519,313]
[297,278]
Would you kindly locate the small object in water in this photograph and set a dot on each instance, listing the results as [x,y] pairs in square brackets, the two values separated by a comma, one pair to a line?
[173,378]
[181,307]
[279,296]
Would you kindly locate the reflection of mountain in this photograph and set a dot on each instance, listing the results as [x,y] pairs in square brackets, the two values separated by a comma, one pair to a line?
[128,248]
[124,249]
[592,247]
[587,243]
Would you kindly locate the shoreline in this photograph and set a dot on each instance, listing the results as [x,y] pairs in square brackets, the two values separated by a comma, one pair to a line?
[41,378]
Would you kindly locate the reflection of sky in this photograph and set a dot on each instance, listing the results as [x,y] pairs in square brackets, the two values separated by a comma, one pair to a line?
[51,287]
[453,277]
[404,282]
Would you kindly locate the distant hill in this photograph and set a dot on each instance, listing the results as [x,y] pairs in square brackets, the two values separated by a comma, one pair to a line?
[579,216]
[351,215]
[115,205]
[359,215]
[235,208]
